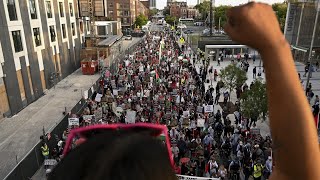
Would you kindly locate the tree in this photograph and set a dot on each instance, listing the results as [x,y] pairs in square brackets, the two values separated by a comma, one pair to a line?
[153,12]
[281,12]
[141,20]
[170,19]
[204,9]
[166,11]
[220,12]
[254,101]
[232,77]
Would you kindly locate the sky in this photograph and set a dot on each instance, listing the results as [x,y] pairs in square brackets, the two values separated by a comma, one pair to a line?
[162,3]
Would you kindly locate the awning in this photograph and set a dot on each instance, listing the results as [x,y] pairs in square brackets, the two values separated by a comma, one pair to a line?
[110,40]
[299,48]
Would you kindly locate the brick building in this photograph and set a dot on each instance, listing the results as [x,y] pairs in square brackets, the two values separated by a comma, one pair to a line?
[178,9]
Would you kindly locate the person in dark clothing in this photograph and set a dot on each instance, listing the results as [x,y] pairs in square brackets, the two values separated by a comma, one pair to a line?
[254,72]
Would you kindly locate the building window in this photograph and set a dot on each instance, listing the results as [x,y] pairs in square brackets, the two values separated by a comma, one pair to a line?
[111,13]
[61,9]
[18,47]
[81,27]
[88,25]
[111,5]
[73,29]
[37,37]
[52,34]
[12,10]
[64,31]
[101,30]
[33,9]
[71,9]
[49,9]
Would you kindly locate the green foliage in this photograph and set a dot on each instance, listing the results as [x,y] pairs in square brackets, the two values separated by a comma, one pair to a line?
[153,12]
[281,12]
[166,12]
[170,19]
[220,12]
[254,101]
[141,20]
[204,9]
[232,77]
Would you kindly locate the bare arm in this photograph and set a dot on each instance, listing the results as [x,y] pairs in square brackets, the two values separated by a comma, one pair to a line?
[293,130]
[292,126]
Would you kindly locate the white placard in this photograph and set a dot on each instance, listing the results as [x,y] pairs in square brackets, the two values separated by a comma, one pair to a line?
[50,162]
[115,92]
[131,117]
[200,122]
[87,117]
[98,97]
[73,121]
[85,94]
[208,108]
[186,113]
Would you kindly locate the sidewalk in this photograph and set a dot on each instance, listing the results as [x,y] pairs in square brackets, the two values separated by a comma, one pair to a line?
[20,133]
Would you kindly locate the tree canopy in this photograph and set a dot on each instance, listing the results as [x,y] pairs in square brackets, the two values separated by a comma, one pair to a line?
[153,12]
[232,77]
[254,101]
[170,19]
[204,9]
[220,12]
[281,12]
[141,20]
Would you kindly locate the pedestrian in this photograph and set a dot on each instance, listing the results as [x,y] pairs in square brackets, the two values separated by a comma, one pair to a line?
[268,168]
[259,72]
[257,170]
[254,72]
[215,74]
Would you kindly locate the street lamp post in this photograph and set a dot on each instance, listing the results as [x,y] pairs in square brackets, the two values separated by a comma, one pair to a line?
[311,46]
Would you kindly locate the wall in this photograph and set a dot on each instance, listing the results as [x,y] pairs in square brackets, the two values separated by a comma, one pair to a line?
[26,74]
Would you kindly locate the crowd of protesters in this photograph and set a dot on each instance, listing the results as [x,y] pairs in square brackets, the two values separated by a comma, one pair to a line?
[161,83]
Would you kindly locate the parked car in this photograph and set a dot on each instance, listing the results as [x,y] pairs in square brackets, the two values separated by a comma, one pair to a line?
[128,37]
[189,31]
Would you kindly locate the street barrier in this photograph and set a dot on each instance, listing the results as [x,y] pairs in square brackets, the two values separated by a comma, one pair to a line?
[33,160]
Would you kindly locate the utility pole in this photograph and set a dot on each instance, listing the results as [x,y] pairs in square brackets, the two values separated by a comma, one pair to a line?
[211,17]
[312,41]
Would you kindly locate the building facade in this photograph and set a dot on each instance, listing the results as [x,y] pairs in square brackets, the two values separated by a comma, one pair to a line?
[302,16]
[178,9]
[192,13]
[153,4]
[40,44]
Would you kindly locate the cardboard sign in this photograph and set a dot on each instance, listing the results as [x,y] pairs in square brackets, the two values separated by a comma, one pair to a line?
[98,97]
[73,121]
[200,122]
[131,117]
[208,108]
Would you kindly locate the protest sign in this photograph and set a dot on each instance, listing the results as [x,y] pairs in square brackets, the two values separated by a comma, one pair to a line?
[50,162]
[98,97]
[186,113]
[208,108]
[255,131]
[199,109]
[115,92]
[73,121]
[200,122]
[131,117]
[183,177]
[193,124]
[88,117]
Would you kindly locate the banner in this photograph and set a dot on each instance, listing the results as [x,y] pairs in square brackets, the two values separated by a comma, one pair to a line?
[208,108]
[183,177]
[73,121]
[131,117]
